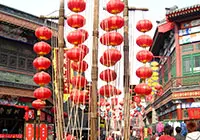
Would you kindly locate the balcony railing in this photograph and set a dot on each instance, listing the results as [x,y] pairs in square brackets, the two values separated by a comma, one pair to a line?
[182,82]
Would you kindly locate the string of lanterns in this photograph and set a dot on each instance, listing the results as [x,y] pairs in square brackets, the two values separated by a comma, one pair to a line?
[78,52]
[144,56]
[42,63]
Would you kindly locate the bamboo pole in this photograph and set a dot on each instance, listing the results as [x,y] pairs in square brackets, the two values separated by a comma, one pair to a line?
[59,97]
[126,75]
[93,101]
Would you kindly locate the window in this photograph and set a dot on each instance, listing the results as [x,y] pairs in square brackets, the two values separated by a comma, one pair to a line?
[187,65]
[173,64]
[198,46]
[187,48]
[196,60]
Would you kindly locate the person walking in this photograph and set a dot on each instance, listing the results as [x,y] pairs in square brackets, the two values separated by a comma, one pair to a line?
[178,134]
[167,133]
[193,134]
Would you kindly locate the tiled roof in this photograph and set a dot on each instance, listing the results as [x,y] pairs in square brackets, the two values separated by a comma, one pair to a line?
[183,11]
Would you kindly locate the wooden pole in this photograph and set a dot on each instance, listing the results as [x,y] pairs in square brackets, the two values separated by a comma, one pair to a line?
[59,97]
[126,75]
[94,75]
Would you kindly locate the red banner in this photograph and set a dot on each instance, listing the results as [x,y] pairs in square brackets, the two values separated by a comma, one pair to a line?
[194,113]
[29,131]
[67,73]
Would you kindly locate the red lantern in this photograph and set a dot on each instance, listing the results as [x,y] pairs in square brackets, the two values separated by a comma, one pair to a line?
[106,62]
[107,103]
[42,93]
[109,138]
[70,137]
[78,96]
[118,92]
[142,89]
[111,39]
[108,109]
[38,104]
[114,101]
[121,103]
[42,48]
[85,48]
[115,6]
[76,5]
[78,81]
[113,55]
[41,63]
[144,72]
[144,56]
[43,33]
[137,99]
[149,98]
[76,21]
[108,75]
[158,87]
[77,37]
[79,66]
[112,23]
[76,54]
[42,78]
[144,41]
[107,90]
[144,25]
[101,102]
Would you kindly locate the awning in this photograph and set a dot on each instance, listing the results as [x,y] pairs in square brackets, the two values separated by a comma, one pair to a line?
[165,27]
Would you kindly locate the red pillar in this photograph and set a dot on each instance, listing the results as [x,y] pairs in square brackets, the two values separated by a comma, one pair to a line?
[178,55]
[179,112]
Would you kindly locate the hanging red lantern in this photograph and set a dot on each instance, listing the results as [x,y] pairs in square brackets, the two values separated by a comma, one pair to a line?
[144,25]
[108,109]
[144,72]
[158,87]
[101,102]
[79,66]
[142,89]
[119,92]
[76,5]
[78,96]
[114,101]
[107,103]
[108,75]
[41,63]
[76,54]
[77,37]
[111,39]
[144,56]
[115,6]
[112,55]
[149,98]
[76,21]
[112,23]
[144,41]
[121,103]
[38,104]
[42,48]
[42,78]
[42,93]
[85,48]
[107,62]
[137,99]
[43,33]
[70,137]
[107,90]
[78,81]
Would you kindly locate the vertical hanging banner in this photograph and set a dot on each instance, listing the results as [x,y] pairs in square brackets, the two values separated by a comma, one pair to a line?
[43,132]
[29,131]
[66,72]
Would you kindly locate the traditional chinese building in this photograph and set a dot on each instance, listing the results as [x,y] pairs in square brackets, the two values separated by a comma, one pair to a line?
[176,47]
[17,38]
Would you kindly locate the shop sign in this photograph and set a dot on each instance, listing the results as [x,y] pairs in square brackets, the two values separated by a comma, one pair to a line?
[193,113]
[190,23]
[189,38]
[188,31]
[29,131]
[17,136]
[66,73]
[178,95]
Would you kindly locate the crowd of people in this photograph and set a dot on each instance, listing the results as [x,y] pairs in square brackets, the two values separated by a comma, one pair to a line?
[193,133]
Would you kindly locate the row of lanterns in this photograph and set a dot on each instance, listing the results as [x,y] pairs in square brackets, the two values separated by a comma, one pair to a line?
[78,52]
[111,38]
[42,63]
[144,56]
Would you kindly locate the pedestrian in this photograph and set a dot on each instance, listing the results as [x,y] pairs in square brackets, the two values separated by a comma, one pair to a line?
[178,134]
[193,134]
[167,133]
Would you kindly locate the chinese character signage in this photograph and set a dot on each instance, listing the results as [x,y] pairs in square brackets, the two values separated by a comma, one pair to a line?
[29,134]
